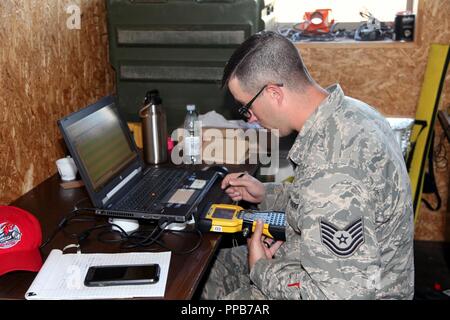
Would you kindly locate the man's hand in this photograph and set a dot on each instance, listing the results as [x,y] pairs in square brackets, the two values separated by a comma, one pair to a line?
[245,188]
[260,246]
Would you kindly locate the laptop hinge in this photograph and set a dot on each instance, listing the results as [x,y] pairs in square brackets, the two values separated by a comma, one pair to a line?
[117,188]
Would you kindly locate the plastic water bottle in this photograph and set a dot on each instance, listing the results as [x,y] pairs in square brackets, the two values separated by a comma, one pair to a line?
[192,140]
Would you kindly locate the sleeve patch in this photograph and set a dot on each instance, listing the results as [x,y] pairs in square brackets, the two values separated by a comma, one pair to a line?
[342,242]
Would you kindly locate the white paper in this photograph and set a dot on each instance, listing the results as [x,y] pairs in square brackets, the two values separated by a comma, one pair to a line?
[217,120]
[62,276]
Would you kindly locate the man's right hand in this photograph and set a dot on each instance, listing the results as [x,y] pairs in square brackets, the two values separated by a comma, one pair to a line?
[245,188]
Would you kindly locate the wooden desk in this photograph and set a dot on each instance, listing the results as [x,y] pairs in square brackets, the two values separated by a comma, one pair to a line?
[50,203]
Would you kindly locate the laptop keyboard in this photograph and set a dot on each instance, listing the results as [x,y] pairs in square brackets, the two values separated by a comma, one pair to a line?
[154,186]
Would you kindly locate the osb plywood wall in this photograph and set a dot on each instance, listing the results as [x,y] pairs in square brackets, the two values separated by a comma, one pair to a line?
[390,79]
[46,71]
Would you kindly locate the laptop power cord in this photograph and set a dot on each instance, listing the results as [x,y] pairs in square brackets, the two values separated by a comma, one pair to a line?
[110,233]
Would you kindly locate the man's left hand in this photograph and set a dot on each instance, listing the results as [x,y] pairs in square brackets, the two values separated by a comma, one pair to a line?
[260,246]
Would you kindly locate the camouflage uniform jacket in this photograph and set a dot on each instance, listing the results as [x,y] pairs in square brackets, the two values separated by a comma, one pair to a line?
[349,210]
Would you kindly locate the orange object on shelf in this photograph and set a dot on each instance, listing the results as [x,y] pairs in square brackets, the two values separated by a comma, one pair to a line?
[316,21]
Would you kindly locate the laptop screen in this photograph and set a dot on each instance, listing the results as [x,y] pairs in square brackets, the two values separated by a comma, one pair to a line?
[101,145]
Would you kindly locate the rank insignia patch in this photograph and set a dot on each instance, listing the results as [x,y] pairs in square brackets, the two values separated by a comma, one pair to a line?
[342,242]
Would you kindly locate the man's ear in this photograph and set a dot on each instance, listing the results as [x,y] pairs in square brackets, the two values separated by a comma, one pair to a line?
[276,93]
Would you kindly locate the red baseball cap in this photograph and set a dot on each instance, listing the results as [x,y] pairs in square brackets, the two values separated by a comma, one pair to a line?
[20,238]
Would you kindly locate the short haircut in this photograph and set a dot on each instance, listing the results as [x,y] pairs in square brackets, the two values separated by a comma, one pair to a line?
[267,57]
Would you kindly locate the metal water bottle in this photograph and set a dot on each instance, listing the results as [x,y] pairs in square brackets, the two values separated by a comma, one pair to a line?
[154,128]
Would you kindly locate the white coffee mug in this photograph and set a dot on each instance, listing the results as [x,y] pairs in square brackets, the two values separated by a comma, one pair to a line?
[67,169]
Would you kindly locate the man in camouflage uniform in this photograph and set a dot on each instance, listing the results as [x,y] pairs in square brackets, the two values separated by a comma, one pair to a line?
[349,212]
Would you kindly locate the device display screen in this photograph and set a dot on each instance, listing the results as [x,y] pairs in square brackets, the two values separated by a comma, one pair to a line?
[223,213]
[122,275]
[102,145]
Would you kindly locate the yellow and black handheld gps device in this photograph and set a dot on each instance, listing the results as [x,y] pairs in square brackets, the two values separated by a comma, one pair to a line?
[231,219]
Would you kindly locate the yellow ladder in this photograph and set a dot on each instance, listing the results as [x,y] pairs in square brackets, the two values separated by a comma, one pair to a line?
[426,113]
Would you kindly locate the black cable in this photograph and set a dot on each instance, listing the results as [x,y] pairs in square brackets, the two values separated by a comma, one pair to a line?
[150,239]
[142,242]
[423,124]
[86,233]
[196,246]
[60,226]
[432,179]
[101,236]
[78,202]
[77,218]
[440,153]
[137,239]
[65,220]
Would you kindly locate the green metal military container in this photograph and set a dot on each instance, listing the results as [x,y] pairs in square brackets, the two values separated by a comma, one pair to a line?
[179,47]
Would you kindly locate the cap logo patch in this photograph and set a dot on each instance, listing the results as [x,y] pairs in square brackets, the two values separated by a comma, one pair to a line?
[342,242]
[10,235]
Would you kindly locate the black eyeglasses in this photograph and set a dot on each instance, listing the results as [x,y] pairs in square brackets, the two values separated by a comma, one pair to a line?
[244,110]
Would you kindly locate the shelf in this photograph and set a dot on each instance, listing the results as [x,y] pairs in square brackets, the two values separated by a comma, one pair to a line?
[352,44]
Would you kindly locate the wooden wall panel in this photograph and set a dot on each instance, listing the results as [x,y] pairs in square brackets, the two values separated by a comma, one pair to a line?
[47,71]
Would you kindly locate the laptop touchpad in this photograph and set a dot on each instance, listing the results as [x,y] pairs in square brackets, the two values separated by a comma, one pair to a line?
[181,196]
